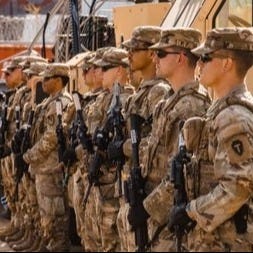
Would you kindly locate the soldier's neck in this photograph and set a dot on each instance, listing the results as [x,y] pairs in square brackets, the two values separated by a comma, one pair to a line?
[149,72]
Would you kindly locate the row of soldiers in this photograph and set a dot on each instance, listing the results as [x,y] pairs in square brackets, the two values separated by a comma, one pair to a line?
[145,158]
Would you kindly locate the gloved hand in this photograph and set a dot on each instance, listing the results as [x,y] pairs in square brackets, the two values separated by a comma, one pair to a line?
[179,219]
[4,151]
[20,164]
[115,151]
[16,142]
[137,216]
[69,157]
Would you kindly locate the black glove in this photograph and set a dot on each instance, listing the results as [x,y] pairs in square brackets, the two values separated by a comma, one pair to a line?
[16,142]
[179,220]
[115,151]
[20,164]
[69,157]
[137,216]
[101,139]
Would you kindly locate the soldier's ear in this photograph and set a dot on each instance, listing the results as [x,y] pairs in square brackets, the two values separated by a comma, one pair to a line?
[151,53]
[227,65]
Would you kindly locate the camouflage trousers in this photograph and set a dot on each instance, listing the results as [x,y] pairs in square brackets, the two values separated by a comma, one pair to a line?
[127,238]
[53,211]
[77,202]
[29,205]
[8,176]
[108,207]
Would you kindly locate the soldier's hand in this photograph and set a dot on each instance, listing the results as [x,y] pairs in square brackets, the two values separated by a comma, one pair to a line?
[137,216]
[20,164]
[4,151]
[179,220]
[115,151]
[69,157]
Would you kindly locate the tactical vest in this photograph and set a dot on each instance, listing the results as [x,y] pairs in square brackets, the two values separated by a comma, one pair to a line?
[136,104]
[202,172]
[39,126]
[166,109]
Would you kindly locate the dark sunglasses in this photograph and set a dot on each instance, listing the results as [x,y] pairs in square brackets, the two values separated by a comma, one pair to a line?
[206,58]
[209,57]
[85,70]
[45,79]
[105,68]
[161,53]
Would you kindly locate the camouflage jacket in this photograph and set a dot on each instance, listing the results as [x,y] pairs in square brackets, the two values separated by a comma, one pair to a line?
[191,100]
[43,154]
[229,149]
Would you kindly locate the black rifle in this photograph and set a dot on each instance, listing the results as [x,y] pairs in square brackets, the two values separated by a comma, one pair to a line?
[25,144]
[78,132]
[177,178]
[59,131]
[101,140]
[4,150]
[115,147]
[134,186]
[17,117]
[84,138]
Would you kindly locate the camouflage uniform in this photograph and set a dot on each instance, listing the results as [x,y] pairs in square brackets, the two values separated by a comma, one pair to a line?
[107,192]
[87,222]
[192,99]
[43,160]
[27,191]
[224,151]
[142,103]
[80,176]
[20,97]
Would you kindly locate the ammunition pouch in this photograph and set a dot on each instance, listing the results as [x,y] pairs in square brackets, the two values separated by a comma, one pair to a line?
[192,129]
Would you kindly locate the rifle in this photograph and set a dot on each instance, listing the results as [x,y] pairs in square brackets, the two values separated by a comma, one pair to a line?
[78,132]
[101,140]
[134,186]
[84,138]
[59,130]
[17,117]
[25,144]
[177,178]
[115,147]
[4,123]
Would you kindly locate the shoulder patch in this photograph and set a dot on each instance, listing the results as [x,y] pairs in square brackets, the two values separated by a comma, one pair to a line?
[237,146]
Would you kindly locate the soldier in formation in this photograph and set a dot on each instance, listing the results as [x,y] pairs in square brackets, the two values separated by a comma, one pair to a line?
[221,142]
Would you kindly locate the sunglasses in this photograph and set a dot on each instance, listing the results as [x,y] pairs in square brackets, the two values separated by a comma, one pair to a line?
[162,54]
[105,68]
[45,79]
[209,57]
[85,70]
[206,58]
